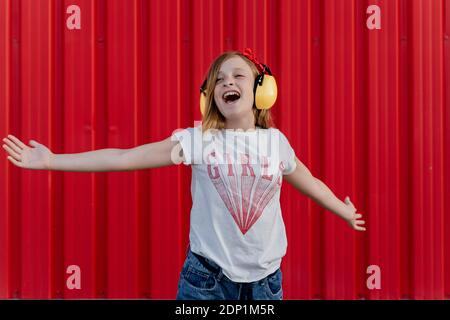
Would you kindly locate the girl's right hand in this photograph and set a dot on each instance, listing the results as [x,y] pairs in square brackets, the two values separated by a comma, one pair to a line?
[24,156]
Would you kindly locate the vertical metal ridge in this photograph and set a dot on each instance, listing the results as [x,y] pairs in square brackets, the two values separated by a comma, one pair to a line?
[5,173]
[441,198]
[15,240]
[55,96]
[417,153]
[446,136]
[100,140]
[352,188]
[397,167]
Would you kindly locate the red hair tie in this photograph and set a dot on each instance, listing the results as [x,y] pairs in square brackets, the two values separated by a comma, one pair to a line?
[251,56]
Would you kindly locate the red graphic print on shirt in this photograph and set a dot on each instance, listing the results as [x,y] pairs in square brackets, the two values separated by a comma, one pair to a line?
[245,200]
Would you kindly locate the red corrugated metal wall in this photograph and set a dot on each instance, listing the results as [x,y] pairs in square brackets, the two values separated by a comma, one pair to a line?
[367,110]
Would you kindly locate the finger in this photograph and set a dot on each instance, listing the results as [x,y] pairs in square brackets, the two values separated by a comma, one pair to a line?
[361,229]
[358,216]
[12,145]
[360,222]
[17,141]
[12,152]
[17,163]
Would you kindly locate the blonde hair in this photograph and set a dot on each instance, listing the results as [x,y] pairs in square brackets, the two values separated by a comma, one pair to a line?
[213,118]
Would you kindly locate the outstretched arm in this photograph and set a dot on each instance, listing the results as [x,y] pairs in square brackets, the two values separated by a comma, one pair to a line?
[152,155]
[306,183]
[39,157]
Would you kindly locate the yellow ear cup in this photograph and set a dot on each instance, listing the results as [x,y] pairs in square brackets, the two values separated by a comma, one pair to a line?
[266,93]
[202,103]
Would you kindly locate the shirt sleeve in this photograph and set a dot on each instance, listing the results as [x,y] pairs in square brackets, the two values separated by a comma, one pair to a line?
[287,155]
[191,142]
[184,137]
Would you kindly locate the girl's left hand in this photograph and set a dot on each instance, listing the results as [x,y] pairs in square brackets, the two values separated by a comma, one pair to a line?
[355,219]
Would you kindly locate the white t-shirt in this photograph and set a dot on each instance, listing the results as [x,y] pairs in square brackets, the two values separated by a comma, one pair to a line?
[236,217]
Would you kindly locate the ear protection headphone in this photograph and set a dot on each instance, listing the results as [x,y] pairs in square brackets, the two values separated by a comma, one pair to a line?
[264,90]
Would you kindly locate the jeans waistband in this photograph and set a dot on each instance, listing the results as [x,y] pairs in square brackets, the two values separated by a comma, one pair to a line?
[207,263]
[215,268]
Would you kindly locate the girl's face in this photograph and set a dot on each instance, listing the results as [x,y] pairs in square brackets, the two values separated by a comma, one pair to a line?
[233,92]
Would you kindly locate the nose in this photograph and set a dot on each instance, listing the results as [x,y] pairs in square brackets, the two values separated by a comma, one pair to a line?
[229,82]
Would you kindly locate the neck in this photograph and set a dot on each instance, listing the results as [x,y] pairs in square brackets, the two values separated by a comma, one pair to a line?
[244,123]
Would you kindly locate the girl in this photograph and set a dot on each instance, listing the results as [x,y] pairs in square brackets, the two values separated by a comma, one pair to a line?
[238,160]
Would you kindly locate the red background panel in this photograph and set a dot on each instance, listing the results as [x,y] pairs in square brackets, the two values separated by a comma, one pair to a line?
[368,112]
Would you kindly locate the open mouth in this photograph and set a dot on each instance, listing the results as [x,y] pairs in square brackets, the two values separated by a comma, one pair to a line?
[231,96]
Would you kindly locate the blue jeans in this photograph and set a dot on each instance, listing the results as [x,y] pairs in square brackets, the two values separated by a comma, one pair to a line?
[202,279]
